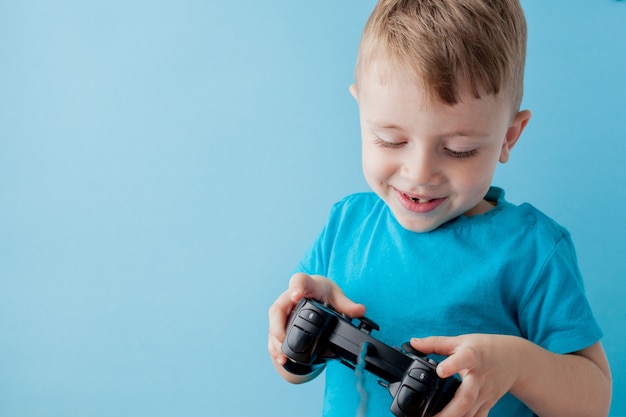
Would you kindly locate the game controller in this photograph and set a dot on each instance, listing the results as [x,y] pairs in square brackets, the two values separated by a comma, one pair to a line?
[316,333]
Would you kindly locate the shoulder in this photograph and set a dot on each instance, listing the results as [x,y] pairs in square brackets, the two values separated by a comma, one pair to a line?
[538,227]
[527,220]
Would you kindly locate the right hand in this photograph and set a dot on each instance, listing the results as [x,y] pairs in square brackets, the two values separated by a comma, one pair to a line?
[304,286]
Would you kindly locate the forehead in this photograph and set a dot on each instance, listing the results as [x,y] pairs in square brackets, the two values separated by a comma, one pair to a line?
[444,87]
[395,81]
[397,98]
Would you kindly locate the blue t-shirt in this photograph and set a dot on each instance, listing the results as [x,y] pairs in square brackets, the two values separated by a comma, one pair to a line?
[510,271]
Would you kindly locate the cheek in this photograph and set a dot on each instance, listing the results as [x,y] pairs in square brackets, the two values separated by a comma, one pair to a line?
[375,166]
[369,171]
[477,177]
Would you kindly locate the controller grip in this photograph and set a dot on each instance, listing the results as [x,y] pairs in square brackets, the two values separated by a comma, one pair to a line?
[301,369]
[446,392]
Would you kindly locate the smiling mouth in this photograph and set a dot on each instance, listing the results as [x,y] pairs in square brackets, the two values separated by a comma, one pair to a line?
[419,204]
[419,200]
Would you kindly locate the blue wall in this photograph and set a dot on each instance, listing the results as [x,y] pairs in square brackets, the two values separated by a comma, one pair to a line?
[164,164]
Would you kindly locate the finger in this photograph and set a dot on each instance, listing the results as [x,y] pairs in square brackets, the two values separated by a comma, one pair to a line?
[324,290]
[278,313]
[275,351]
[302,285]
[439,345]
[460,362]
[457,359]
[474,406]
[344,305]
[462,403]
[483,411]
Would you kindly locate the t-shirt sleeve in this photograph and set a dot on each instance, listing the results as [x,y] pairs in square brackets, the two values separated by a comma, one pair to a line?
[555,313]
[316,259]
[313,262]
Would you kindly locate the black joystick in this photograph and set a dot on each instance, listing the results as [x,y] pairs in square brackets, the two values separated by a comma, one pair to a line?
[316,333]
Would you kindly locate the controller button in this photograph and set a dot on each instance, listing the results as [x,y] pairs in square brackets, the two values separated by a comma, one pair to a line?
[406,346]
[421,375]
[312,317]
[367,325]
[299,340]
[411,401]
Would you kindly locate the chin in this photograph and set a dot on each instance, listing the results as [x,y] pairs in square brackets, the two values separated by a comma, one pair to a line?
[417,226]
[416,222]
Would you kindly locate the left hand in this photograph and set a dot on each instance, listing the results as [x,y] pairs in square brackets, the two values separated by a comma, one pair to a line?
[486,363]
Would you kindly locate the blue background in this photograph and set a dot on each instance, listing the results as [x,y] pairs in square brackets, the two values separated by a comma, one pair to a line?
[164,164]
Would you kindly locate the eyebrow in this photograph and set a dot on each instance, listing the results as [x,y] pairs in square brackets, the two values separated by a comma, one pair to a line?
[391,126]
[465,134]
[453,134]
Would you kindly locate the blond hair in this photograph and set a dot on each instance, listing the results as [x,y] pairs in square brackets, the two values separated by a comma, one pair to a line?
[449,45]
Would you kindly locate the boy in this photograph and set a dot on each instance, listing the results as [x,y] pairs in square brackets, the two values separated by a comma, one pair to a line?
[435,250]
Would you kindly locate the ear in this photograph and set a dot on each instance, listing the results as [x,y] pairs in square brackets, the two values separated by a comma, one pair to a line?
[353,92]
[513,133]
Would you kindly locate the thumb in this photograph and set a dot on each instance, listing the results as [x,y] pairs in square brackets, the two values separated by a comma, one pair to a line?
[303,286]
[324,290]
[344,305]
[438,345]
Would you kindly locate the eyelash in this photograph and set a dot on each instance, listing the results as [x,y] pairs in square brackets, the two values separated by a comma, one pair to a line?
[454,154]
[461,155]
[389,145]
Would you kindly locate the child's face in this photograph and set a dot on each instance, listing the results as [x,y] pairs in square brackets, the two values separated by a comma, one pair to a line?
[432,162]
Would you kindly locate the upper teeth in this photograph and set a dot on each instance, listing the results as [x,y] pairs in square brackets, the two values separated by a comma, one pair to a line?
[419,200]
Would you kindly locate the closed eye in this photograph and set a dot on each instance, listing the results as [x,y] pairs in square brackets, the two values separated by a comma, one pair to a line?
[462,154]
[389,145]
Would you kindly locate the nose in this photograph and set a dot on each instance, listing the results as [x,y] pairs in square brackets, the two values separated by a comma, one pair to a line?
[421,167]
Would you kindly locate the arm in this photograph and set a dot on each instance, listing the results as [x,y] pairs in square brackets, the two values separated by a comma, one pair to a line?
[578,384]
[552,385]
[309,286]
